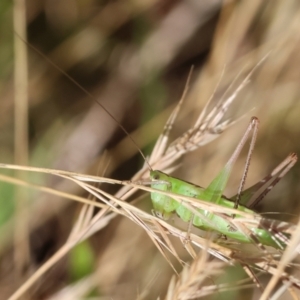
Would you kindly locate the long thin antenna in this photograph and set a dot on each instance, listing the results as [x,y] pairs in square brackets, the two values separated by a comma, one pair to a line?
[88,94]
[254,128]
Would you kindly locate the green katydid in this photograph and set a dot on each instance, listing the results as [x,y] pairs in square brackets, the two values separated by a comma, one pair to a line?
[165,205]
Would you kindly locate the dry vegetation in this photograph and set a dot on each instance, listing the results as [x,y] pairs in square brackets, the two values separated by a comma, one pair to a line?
[134,58]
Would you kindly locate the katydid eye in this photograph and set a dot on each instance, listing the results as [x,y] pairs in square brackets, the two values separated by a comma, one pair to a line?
[156,177]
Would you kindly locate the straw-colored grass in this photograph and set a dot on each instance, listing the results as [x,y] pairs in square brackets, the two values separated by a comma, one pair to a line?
[251,69]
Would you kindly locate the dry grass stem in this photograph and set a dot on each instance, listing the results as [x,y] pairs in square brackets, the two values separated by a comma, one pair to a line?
[190,284]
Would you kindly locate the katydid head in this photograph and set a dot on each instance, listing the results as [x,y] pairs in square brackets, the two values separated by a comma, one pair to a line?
[163,205]
[159,176]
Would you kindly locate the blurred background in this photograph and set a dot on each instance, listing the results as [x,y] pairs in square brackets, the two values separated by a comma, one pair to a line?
[134,58]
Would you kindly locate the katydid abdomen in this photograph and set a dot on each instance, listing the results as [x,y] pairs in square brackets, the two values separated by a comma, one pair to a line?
[164,206]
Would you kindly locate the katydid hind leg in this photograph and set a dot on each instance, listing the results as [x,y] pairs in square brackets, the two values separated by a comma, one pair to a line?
[254,127]
[252,196]
[289,162]
[217,186]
